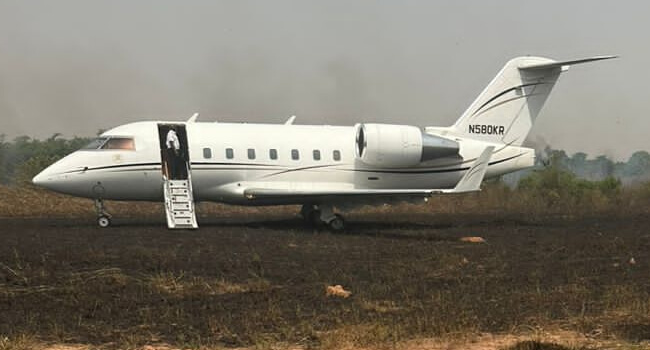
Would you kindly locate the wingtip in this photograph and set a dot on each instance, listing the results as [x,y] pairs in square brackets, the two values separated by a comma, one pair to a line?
[471,181]
[603,57]
[193,118]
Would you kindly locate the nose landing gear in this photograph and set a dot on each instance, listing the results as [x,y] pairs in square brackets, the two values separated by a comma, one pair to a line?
[103,217]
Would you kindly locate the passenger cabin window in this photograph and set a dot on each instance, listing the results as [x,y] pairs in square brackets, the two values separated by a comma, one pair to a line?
[295,155]
[230,154]
[336,155]
[207,153]
[273,153]
[119,143]
[316,154]
[251,153]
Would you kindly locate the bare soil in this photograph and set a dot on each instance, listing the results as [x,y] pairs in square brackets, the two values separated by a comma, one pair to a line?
[260,280]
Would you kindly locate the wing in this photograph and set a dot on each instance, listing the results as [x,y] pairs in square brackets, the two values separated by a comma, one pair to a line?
[470,182]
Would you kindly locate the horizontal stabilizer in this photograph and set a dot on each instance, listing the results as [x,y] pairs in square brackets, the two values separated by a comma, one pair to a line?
[557,64]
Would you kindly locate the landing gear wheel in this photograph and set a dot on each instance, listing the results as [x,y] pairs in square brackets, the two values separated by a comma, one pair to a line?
[103,217]
[337,224]
[103,221]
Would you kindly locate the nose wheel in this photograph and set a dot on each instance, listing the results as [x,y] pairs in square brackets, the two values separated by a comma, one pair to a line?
[103,217]
[103,221]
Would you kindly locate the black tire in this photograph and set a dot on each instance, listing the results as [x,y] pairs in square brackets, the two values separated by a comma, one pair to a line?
[103,221]
[337,224]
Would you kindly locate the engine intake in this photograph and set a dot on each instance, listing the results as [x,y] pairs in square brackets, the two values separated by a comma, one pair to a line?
[397,146]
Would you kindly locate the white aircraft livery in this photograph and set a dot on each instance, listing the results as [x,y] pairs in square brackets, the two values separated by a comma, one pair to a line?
[318,167]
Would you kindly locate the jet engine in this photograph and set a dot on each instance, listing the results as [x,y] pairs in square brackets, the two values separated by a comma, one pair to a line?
[398,146]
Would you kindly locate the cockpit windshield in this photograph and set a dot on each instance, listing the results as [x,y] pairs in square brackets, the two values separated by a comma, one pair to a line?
[96,143]
[112,143]
[123,143]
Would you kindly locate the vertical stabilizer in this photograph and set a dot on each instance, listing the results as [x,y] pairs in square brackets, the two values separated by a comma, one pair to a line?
[506,110]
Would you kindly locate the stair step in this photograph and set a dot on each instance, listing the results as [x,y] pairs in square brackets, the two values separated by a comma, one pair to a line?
[179,191]
[179,204]
[182,214]
[183,223]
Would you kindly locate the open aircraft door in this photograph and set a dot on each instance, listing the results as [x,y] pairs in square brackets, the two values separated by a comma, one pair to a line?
[177,176]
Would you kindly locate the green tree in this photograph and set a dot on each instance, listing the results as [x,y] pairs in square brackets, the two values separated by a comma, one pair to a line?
[24,156]
[638,165]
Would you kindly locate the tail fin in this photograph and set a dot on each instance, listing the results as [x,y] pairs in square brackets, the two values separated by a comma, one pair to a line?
[506,110]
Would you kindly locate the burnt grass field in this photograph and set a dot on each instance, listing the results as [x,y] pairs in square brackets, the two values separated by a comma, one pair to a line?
[259,279]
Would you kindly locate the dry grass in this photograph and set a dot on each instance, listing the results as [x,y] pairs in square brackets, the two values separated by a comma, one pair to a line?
[18,342]
[180,284]
[345,340]
[381,306]
[29,201]
[33,202]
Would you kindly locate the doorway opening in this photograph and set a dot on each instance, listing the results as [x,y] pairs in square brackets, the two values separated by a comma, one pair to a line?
[174,155]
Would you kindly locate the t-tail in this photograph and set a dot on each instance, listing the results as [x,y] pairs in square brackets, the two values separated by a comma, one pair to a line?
[506,110]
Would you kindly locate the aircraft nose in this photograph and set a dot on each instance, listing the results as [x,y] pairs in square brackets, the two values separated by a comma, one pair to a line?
[62,176]
[42,179]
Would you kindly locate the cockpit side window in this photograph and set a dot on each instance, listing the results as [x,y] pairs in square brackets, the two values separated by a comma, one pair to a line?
[120,143]
[96,143]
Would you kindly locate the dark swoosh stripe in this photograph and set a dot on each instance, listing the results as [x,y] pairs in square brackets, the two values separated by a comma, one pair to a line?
[476,169]
[111,167]
[503,93]
[244,164]
[157,166]
[301,168]
[502,103]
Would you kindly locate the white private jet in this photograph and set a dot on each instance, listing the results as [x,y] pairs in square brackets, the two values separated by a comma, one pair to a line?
[318,167]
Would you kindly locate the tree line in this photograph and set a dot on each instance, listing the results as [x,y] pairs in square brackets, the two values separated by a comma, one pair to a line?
[24,157]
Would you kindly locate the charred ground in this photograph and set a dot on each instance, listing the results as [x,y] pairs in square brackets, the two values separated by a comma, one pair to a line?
[260,279]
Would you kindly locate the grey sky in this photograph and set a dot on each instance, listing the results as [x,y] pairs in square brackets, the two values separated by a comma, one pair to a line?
[77,66]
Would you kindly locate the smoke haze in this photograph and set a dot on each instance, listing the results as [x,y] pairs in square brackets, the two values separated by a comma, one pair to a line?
[79,66]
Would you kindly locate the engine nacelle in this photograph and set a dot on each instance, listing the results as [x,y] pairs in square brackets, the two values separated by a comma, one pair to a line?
[398,146]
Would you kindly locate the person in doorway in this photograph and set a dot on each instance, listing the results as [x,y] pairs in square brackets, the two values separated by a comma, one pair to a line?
[175,161]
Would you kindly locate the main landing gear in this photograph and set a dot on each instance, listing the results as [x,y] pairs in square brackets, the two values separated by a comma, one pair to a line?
[319,214]
[103,217]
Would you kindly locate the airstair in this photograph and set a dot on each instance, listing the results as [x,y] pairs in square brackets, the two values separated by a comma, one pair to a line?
[179,204]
